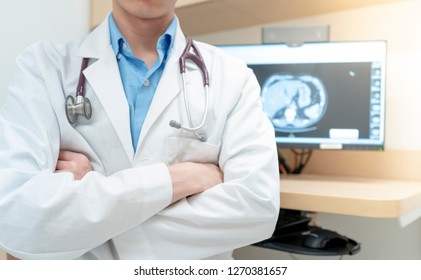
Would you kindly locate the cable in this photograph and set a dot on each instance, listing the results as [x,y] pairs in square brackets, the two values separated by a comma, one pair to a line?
[282,170]
[283,165]
[301,159]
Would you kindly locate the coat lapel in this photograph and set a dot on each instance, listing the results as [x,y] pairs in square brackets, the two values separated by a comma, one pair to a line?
[104,77]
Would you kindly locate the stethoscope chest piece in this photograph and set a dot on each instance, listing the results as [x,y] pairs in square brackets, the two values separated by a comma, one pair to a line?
[81,107]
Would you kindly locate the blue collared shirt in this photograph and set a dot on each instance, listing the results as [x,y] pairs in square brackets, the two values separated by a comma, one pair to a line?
[139,82]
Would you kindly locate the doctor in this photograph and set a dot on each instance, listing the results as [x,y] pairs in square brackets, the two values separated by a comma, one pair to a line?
[124,184]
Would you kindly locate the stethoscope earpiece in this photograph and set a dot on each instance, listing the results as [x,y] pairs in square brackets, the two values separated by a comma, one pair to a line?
[175,124]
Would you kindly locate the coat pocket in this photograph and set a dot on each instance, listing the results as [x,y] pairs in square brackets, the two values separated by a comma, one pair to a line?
[187,149]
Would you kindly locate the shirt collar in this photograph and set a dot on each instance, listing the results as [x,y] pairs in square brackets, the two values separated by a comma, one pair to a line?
[165,41]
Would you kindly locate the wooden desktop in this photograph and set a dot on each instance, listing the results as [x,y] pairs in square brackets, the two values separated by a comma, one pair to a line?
[359,183]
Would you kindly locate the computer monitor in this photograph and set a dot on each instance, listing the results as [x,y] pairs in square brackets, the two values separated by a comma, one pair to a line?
[322,95]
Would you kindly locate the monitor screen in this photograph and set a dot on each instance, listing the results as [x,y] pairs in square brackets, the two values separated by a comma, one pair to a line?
[321,95]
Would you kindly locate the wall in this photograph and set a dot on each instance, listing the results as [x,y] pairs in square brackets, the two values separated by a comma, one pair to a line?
[24,22]
[400,24]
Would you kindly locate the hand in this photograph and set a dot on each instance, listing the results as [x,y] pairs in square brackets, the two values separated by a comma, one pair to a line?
[76,163]
[190,178]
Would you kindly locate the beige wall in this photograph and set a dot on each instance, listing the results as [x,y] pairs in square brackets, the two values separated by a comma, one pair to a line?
[98,10]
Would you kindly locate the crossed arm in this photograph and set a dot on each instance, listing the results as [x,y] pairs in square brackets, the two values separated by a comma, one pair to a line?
[188,178]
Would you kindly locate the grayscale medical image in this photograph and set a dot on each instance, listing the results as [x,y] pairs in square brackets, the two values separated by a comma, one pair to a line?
[294,103]
[310,99]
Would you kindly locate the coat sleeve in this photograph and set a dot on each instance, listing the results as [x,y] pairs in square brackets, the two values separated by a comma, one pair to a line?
[47,215]
[242,210]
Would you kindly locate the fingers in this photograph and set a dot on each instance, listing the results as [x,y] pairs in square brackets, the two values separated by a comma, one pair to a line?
[212,176]
[76,163]
[66,165]
[70,156]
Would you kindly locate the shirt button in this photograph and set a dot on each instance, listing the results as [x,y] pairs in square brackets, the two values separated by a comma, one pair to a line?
[124,46]
[146,83]
[119,56]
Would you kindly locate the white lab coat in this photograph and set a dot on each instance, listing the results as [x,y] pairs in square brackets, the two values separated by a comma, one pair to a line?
[121,209]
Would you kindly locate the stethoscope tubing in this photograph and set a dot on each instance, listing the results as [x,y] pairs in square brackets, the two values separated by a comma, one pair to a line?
[186,103]
[197,59]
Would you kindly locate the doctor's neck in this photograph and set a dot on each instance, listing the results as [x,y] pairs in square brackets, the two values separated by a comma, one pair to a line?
[141,32]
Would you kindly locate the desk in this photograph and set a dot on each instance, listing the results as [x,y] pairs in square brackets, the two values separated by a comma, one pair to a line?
[365,197]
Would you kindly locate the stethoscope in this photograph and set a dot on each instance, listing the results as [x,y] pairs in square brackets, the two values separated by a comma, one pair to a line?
[196,57]
[82,105]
